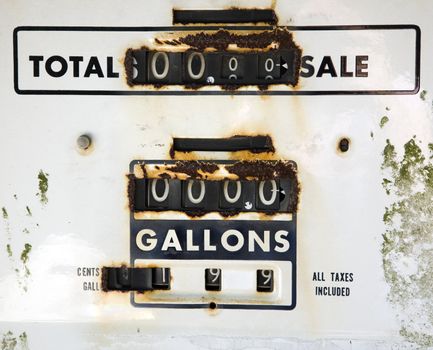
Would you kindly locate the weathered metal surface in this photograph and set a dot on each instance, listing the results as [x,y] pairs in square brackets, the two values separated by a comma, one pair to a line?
[365,211]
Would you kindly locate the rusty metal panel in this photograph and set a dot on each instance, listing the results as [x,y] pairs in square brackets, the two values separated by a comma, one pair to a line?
[171,181]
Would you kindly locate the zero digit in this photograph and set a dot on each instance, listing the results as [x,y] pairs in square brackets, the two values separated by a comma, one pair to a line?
[200,74]
[155,195]
[269,65]
[191,198]
[153,62]
[233,60]
[274,191]
[226,192]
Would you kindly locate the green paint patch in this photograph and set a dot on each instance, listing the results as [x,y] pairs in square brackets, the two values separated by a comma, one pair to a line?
[9,342]
[383,121]
[23,341]
[43,187]
[423,94]
[29,212]
[5,213]
[424,340]
[25,253]
[430,148]
[407,246]
[9,250]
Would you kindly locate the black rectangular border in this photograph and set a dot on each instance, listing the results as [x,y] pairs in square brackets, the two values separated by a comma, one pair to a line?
[203,28]
[219,306]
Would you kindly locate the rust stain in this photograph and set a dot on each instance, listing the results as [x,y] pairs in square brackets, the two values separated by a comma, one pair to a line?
[193,168]
[250,170]
[224,41]
[131,190]
[255,170]
[262,170]
[129,66]
[249,156]
[229,215]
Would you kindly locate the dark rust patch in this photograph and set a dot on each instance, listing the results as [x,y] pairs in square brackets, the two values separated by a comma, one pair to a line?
[193,168]
[143,169]
[165,176]
[281,38]
[104,278]
[172,152]
[131,190]
[263,170]
[129,66]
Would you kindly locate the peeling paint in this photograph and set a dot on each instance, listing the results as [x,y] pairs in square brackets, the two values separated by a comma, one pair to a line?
[5,213]
[25,253]
[23,341]
[9,341]
[9,250]
[407,246]
[43,187]
[383,121]
[423,94]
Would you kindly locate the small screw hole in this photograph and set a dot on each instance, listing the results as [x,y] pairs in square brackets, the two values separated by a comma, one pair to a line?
[212,305]
[344,144]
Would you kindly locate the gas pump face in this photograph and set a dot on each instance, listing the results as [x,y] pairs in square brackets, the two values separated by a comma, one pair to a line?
[198,175]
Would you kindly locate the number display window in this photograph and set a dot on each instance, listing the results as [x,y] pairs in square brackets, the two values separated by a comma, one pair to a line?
[213,279]
[265,281]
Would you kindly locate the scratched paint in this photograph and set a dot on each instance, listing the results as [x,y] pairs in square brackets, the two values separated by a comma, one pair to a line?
[408,240]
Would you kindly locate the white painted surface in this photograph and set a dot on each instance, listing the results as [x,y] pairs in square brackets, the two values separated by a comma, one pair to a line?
[86,219]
